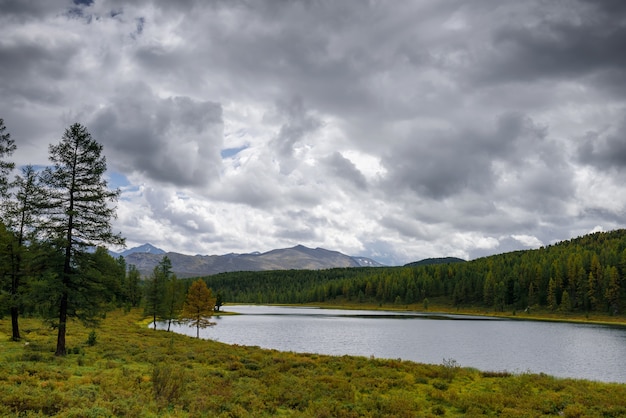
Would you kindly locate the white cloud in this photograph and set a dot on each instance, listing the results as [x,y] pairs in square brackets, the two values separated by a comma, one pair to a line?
[528,240]
[425,130]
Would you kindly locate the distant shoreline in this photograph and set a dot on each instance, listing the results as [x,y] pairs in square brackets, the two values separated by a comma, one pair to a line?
[540,315]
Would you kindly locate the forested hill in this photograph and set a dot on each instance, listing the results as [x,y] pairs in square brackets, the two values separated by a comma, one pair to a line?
[441,260]
[583,274]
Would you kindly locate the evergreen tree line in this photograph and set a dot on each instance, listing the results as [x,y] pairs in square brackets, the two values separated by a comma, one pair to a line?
[171,300]
[584,274]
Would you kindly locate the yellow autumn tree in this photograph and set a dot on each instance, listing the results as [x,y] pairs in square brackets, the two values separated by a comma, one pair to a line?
[198,306]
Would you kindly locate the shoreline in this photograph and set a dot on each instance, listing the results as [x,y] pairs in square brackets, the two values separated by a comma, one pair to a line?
[541,316]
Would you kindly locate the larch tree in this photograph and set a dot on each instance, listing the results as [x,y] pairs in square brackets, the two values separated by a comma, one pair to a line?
[613,290]
[219,301]
[132,289]
[155,291]
[78,214]
[198,306]
[174,299]
[21,215]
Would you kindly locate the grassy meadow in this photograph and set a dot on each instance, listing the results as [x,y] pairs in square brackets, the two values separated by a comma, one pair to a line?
[125,369]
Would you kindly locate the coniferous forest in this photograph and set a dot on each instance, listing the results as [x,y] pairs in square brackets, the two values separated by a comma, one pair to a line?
[584,274]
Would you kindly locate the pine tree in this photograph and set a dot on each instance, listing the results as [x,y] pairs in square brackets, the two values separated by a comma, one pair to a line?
[198,306]
[77,213]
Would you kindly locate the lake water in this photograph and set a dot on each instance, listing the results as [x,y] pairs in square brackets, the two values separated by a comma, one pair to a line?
[584,351]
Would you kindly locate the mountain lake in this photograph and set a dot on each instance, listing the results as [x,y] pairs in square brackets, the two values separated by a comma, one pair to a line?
[581,351]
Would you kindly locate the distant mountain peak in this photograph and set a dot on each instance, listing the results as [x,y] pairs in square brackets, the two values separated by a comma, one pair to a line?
[145,249]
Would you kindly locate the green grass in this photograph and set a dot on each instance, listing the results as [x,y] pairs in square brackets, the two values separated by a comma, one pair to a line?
[137,372]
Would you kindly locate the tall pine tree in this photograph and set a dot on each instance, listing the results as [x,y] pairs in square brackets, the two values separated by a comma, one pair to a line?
[77,214]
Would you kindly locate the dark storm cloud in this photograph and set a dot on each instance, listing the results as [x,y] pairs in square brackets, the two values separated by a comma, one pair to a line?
[553,43]
[28,9]
[440,164]
[606,150]
[174,140]
[344,170]
[30,69]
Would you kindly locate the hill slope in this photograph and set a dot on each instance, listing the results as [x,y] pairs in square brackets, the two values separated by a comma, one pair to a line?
[430,261]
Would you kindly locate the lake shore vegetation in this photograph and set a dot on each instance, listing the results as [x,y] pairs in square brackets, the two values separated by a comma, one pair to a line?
[123,368]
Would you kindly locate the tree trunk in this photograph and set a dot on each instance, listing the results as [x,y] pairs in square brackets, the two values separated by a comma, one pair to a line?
[15,312]
[62,326]
[15,287]
[14,323]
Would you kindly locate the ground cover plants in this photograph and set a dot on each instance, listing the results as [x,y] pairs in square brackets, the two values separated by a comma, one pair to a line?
[125,369]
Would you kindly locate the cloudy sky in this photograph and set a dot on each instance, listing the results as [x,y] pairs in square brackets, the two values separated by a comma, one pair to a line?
[397,130]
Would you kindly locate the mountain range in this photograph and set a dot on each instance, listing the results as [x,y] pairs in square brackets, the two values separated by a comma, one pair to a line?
[147,256]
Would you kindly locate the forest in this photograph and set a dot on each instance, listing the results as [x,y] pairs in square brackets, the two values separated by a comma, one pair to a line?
[583,274]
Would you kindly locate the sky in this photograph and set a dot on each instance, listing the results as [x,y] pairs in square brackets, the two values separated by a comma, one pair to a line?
[395,130]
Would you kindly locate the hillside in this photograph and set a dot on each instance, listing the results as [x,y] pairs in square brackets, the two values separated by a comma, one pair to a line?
[295,258]
[441,260]
[585,274]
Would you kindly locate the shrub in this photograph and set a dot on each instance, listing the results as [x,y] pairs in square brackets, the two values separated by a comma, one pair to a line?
[91,340]
[168,385]
[450,368]
[440,384]
[438,410]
